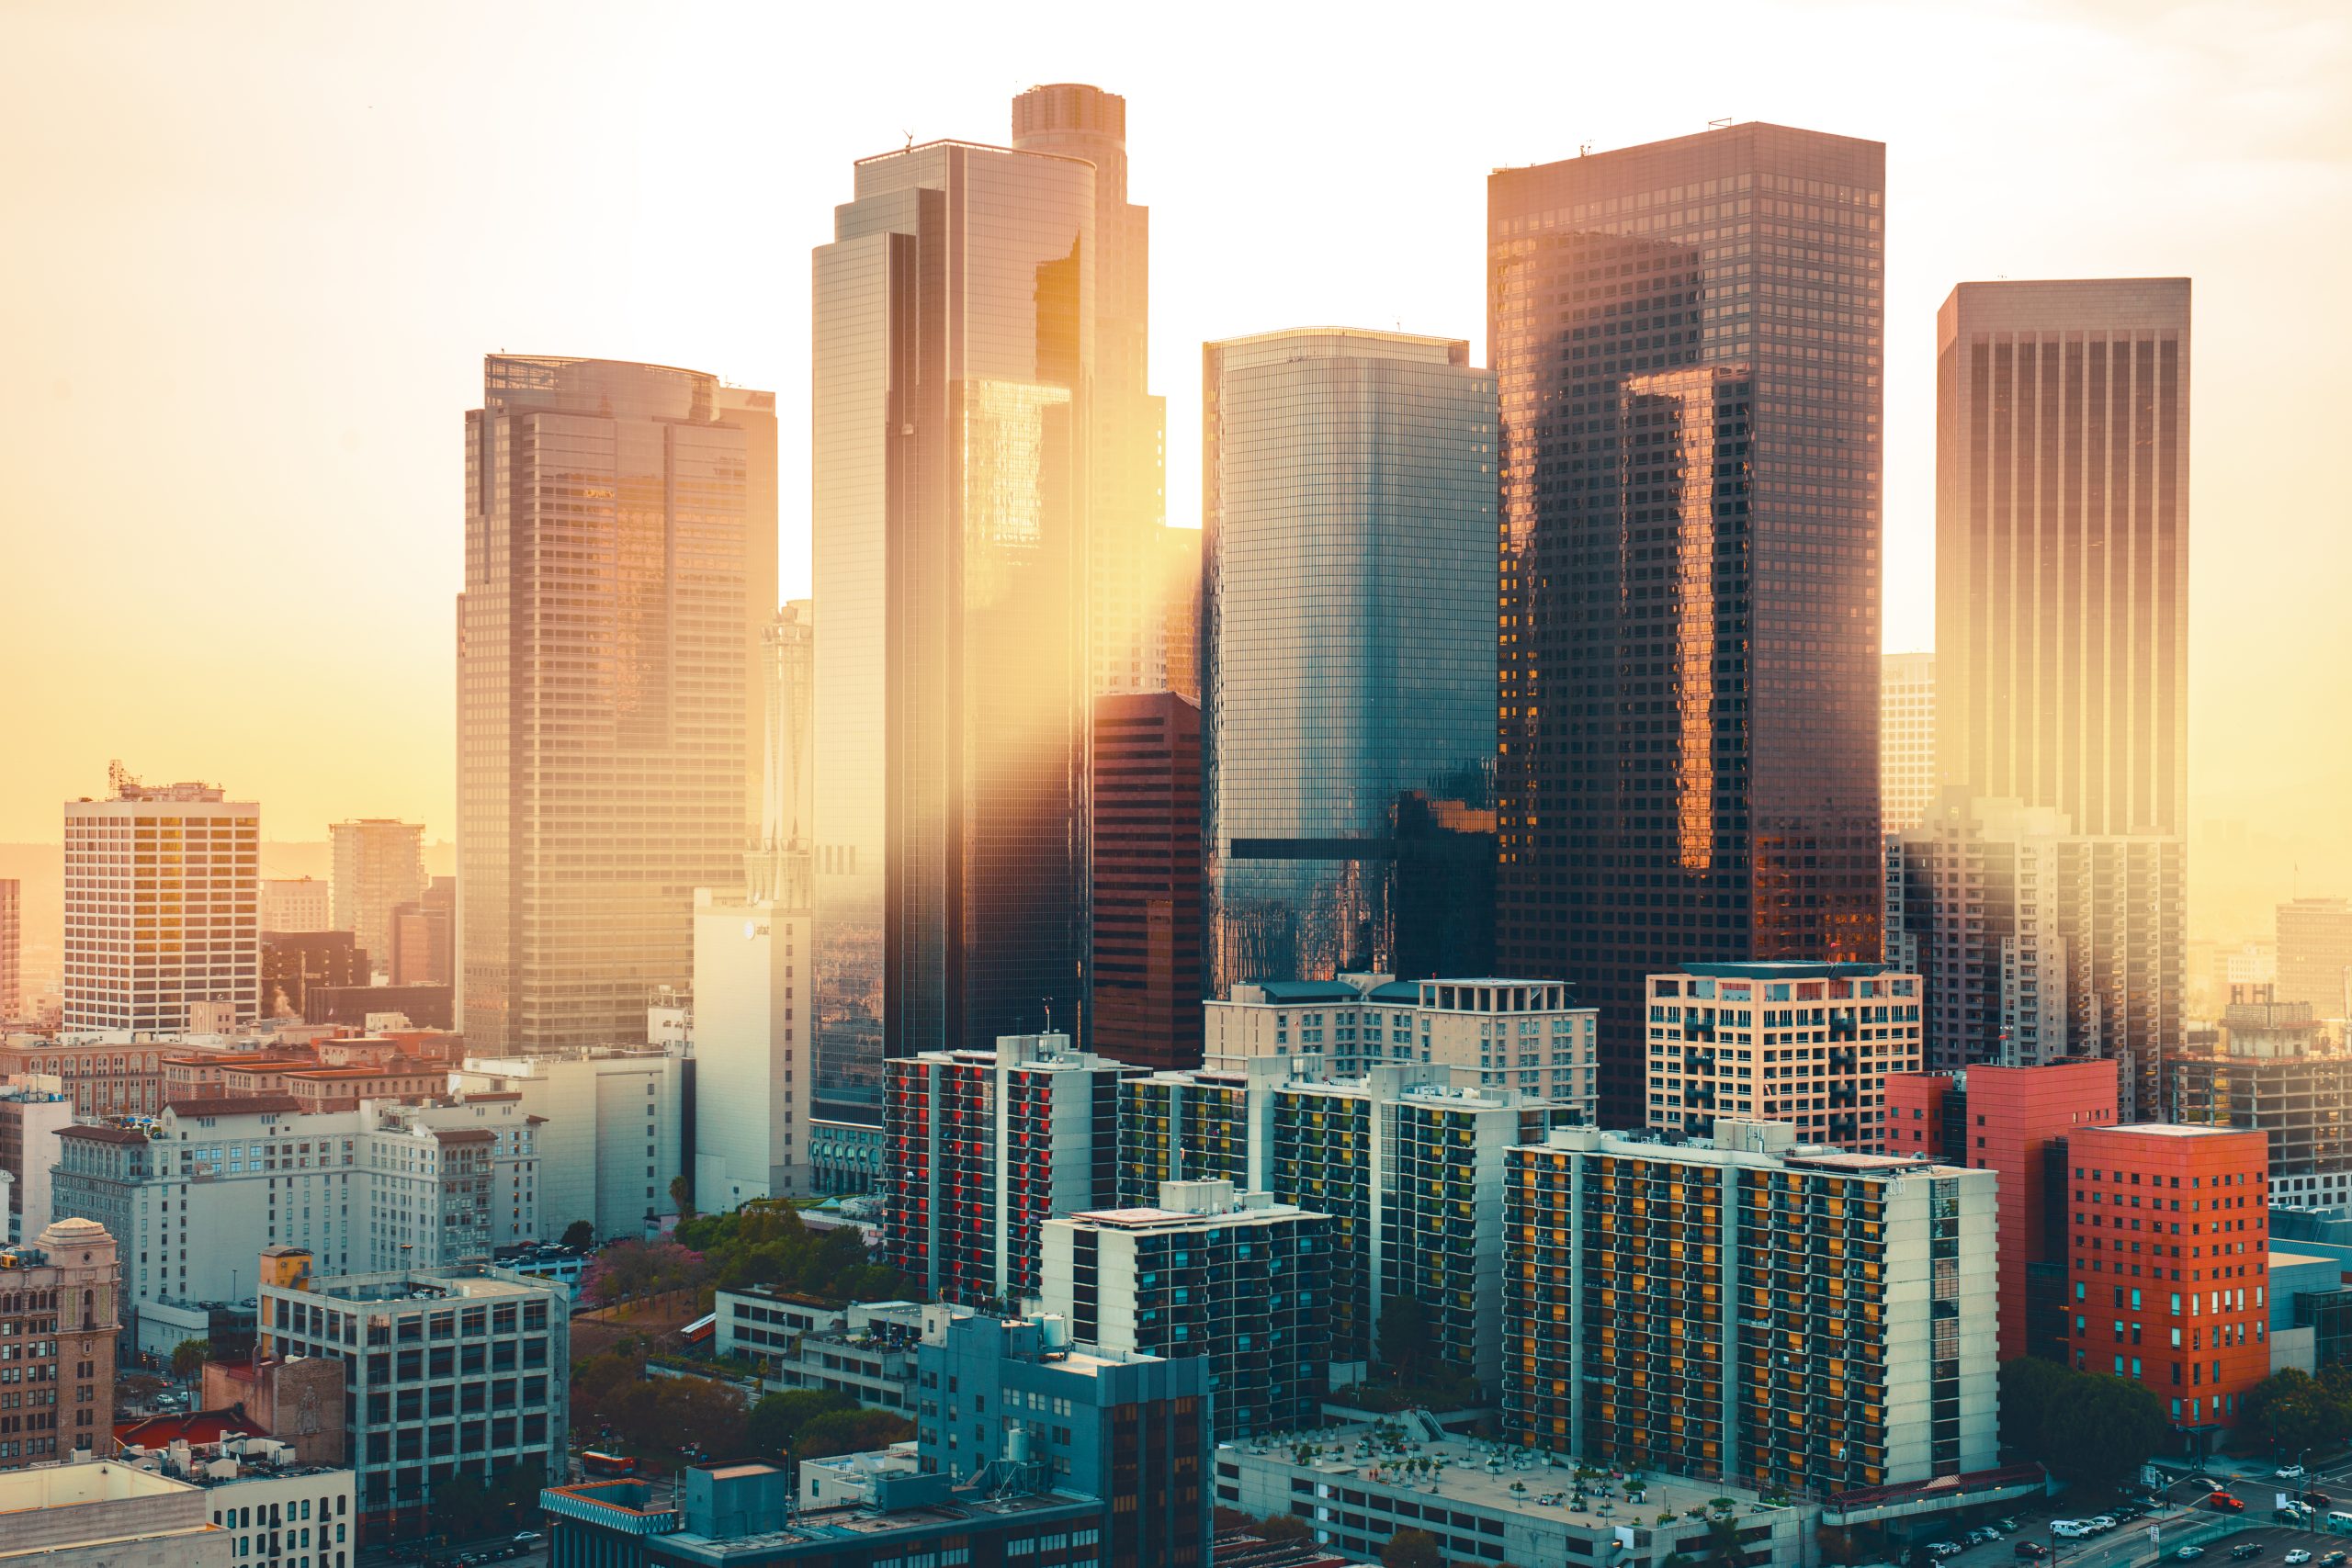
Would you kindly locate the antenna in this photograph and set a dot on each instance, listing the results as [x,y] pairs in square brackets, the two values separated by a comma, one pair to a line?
[1584,149]
[910,141]
[1718,124]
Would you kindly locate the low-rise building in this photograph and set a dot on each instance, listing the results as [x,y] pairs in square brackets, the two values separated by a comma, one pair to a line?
[1810,1045]
[104,1074]
[615,1134]
[865,1349]
[844,1148]
[279,1511]
[105,1515]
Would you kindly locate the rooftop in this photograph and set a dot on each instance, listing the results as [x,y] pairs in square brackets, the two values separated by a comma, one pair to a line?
[1780,969]
[236,1105]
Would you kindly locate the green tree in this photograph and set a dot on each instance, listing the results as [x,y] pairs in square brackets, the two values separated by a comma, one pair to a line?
[682,1193]
[1412,1549]
[776,1422]
[1283,1527]
[2292,1410]
[2030,1387]
[1723,1548]
[581,1235]
[1404,1338]
[851,1432]
[189,1357]
[2103,1429]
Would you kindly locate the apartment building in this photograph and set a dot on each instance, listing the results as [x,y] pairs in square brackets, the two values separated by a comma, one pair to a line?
[58,1301]
[278,1511]
[1810,1045]
[1527,1035]
[1786,1316]
[1238,1279]
[865,1349]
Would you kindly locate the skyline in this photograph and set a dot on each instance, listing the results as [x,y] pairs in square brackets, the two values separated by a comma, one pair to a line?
[360,246]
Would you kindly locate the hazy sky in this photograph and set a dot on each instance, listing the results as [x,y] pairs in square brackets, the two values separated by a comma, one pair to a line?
[256,253]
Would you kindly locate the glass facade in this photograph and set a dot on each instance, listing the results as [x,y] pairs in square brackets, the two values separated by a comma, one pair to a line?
[1348,486]
[607,633]
[1687,336]
[954,365]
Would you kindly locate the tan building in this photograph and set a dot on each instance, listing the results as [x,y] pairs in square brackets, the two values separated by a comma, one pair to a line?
[296,904]
[2315,956]
[57,1313]
[206,1075]
[1810,1045]
[298,1402]
[105,1078]
[108,1516]
[162,907]
[12,948]
[1907,739]
[342,1089]
[378,865]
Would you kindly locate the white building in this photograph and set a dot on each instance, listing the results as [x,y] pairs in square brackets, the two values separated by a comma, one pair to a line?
[865,1349]
[278,1512]
[1907,739]
[162,906]
[754,997]
[1810,1045]
[105,1515]
[613,1139]
[296,904]
[34,1109]
[1528,1035]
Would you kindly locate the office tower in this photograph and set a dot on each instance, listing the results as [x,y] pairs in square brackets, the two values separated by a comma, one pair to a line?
[984,1146]
[12,948]
[2061,547]
[1525,1035]
[1907,739]
[1180,566]
[2314,938]
[424,936]
[2036,942]
[293,962]
[1127,630]
[296,904]
[754,994]
[1809,1044]
[2014,1121]
[606,643]
[2190,1315]
[1148,879]
[378,863]
[61,1298]
[1688,336]
[1347,637]
[1242,1281]
[162,895]
[1786,1317]
[954,352]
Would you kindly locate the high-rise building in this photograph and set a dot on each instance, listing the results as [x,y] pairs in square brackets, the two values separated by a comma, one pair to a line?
[2185,1311]
[1348,671]
[1148,879]
[2315,956]
[1689,339]
[1809,1044]
[1180,566]
[379,865]
[607,633]
[755,990]
[2014,1121]
[1781,1315]
[296,904]
[293,962]
[424,936]
[2061,547]
[162,906]
[1241,1279]
[1127,505]
[981,1147]
[954,353]
[1907,739]
[12,948]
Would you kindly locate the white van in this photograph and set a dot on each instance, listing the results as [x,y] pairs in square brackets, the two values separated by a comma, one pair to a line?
[2339,1521]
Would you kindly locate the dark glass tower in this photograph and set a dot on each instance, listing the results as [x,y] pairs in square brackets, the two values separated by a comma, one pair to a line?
[953,360]
[1687,339]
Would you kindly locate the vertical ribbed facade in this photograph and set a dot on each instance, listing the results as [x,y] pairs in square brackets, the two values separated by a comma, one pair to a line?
[1146,840]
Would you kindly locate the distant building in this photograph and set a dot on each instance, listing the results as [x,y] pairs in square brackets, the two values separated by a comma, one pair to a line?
[2278,1073]
[845,1149]
[1810,1045]
[2187,1315]
[424,936]
[108,1074]
[12,949]
[2014,1121]
[1907,739]
[2315,956]
[480,1363]
[1529,1035]
[378,865]
[1240,1280]
[1148,879]
[30,1120]
[612,1134]
[426,1007]
[132,859]
[1180,554]
[58,1300]
[1633,1341]
[293,962]
[106,1514]
[865,1349]
[296,904]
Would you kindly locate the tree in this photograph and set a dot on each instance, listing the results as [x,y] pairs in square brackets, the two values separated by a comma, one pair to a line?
[2029,1387]
[1283,1527]
[851,1432]
[682,1193]
[776,1422]
[1404,1338]
[2086,1426]
[2292,1410]
[629,1268]
[189,1357]
[1412,1549]
[581,1235]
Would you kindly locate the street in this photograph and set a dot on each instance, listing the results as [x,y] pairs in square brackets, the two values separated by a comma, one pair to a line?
[2181,1517]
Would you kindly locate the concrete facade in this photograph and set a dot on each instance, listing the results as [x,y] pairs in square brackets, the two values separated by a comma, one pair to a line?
[614,1136]
[108,1516]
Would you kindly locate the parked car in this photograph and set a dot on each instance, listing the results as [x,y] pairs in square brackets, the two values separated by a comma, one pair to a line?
[1944,1549]
[2069,1530]
[2298,1557]
[2317,1498]
[2332,1560]
[2245,1549]
[2006,1525]
[2028,1549]
[1980,1536]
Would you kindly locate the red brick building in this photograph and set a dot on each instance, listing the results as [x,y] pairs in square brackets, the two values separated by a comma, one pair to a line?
[1147,879]
[2168,1237]
[2014,1121]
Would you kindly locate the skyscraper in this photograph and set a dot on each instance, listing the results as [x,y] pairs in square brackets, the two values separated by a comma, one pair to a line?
[1907,739]
[753,995]
[12,948]
[954,351]
[1128,502]
[1148,879]
[1347,504]
[379,864]
[1688,339]
[2315,954]
[613,530]
[2061,547]
[162,906]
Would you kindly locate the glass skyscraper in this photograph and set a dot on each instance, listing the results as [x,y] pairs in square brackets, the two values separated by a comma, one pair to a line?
[1687,339]
[954,358]
[1348,591]
[617,518]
